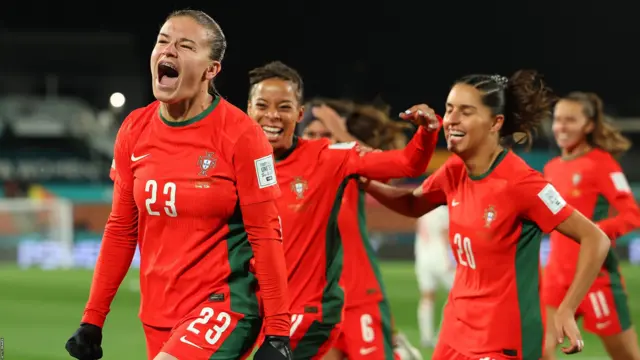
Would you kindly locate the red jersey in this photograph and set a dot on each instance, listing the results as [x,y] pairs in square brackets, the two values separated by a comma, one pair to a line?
[496,224]
[361,276]
[182,193]
[314,176]
[594,184]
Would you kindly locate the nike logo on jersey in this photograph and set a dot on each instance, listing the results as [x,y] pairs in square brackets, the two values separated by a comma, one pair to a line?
[134,158]
[454,203]
[602,325]
[367,351]
[184,340]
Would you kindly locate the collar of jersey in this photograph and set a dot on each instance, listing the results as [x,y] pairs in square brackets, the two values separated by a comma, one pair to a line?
[195,119]
[495,164]
[286,154]
[575,156]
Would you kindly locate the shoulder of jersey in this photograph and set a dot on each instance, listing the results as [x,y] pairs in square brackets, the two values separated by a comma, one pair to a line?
[600,156]
[236,120]
[139,118]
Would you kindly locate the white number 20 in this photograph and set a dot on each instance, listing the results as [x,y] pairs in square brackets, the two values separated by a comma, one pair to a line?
[151,187]
[464,251]
[215,332]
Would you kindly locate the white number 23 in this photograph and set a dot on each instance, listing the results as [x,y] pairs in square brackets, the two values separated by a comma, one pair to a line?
[169,190]
[215,332]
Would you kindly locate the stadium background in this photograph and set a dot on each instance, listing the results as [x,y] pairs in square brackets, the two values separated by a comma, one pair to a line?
[62,63]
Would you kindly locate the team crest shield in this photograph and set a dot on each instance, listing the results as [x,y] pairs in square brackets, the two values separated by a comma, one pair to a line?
[299,186]
[206,163]
[489,215]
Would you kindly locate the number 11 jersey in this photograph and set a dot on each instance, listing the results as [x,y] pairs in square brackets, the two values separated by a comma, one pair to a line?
[496,224]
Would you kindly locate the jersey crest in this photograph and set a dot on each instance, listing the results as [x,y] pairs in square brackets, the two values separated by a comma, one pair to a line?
[489,215]
[299,186]
[206,163]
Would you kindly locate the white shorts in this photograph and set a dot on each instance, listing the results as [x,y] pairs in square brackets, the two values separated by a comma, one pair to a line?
[435,267]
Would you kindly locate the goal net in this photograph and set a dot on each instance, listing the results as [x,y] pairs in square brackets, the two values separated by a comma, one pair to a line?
[36,232]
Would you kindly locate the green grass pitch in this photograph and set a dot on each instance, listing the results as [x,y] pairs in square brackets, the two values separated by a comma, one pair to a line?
[40,309]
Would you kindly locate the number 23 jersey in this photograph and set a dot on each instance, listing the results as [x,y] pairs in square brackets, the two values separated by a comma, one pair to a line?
[189,180]
[496,224]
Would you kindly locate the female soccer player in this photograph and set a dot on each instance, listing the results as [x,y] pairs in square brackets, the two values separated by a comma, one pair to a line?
[315,175]
[498,209]
[195,190]
[591,180]
[367,331]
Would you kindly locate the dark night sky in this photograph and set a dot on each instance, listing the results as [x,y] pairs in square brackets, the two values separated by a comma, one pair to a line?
[403,51]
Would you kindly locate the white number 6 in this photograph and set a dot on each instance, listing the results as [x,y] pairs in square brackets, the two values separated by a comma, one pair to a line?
[368,335]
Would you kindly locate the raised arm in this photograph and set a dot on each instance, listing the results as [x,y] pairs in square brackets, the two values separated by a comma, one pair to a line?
[119,239]
[257,189]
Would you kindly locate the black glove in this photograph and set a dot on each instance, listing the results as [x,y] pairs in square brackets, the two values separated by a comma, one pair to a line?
[85,343]
[274,348]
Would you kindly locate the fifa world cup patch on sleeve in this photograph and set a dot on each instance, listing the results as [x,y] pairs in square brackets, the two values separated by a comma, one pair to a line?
[620,182]
[266,172]
[552,199]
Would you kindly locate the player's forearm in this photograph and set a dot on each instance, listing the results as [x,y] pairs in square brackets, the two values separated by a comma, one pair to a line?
[400,200]
[412,161]
[627,220]
[263,228]
[117,250]
[593,251]
[113,263]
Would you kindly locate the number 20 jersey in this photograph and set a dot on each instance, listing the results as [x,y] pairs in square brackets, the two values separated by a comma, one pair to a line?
[496,224]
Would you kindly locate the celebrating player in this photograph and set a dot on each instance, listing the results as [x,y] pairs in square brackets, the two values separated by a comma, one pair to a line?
[194,188]
[367,331]
[433,267]
[498,209]
[315,175]
[589,177]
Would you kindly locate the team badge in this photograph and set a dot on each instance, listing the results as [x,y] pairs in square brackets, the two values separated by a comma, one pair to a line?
[299,186]
[489,215]
[206,163]
[576,179]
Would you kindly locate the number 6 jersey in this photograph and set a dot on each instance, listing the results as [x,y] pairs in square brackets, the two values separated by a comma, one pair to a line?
[178,193]
[496,224]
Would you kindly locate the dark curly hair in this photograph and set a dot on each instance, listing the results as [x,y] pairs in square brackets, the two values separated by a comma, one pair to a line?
[524,100]
[277,70]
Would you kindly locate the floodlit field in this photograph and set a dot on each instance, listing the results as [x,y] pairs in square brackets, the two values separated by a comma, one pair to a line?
[40,309]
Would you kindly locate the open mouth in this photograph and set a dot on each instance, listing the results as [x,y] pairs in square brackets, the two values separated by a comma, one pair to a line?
[272,132]
[167,74]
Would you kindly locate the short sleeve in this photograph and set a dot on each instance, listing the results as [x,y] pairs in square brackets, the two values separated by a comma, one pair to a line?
[255,168]
[540,202]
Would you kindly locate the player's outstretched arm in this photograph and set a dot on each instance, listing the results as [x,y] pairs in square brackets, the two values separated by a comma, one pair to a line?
[412,161]
[407,202]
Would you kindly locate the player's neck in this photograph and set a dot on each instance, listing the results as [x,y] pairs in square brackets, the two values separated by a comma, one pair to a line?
[479,163]
[576,151]
[186,109]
